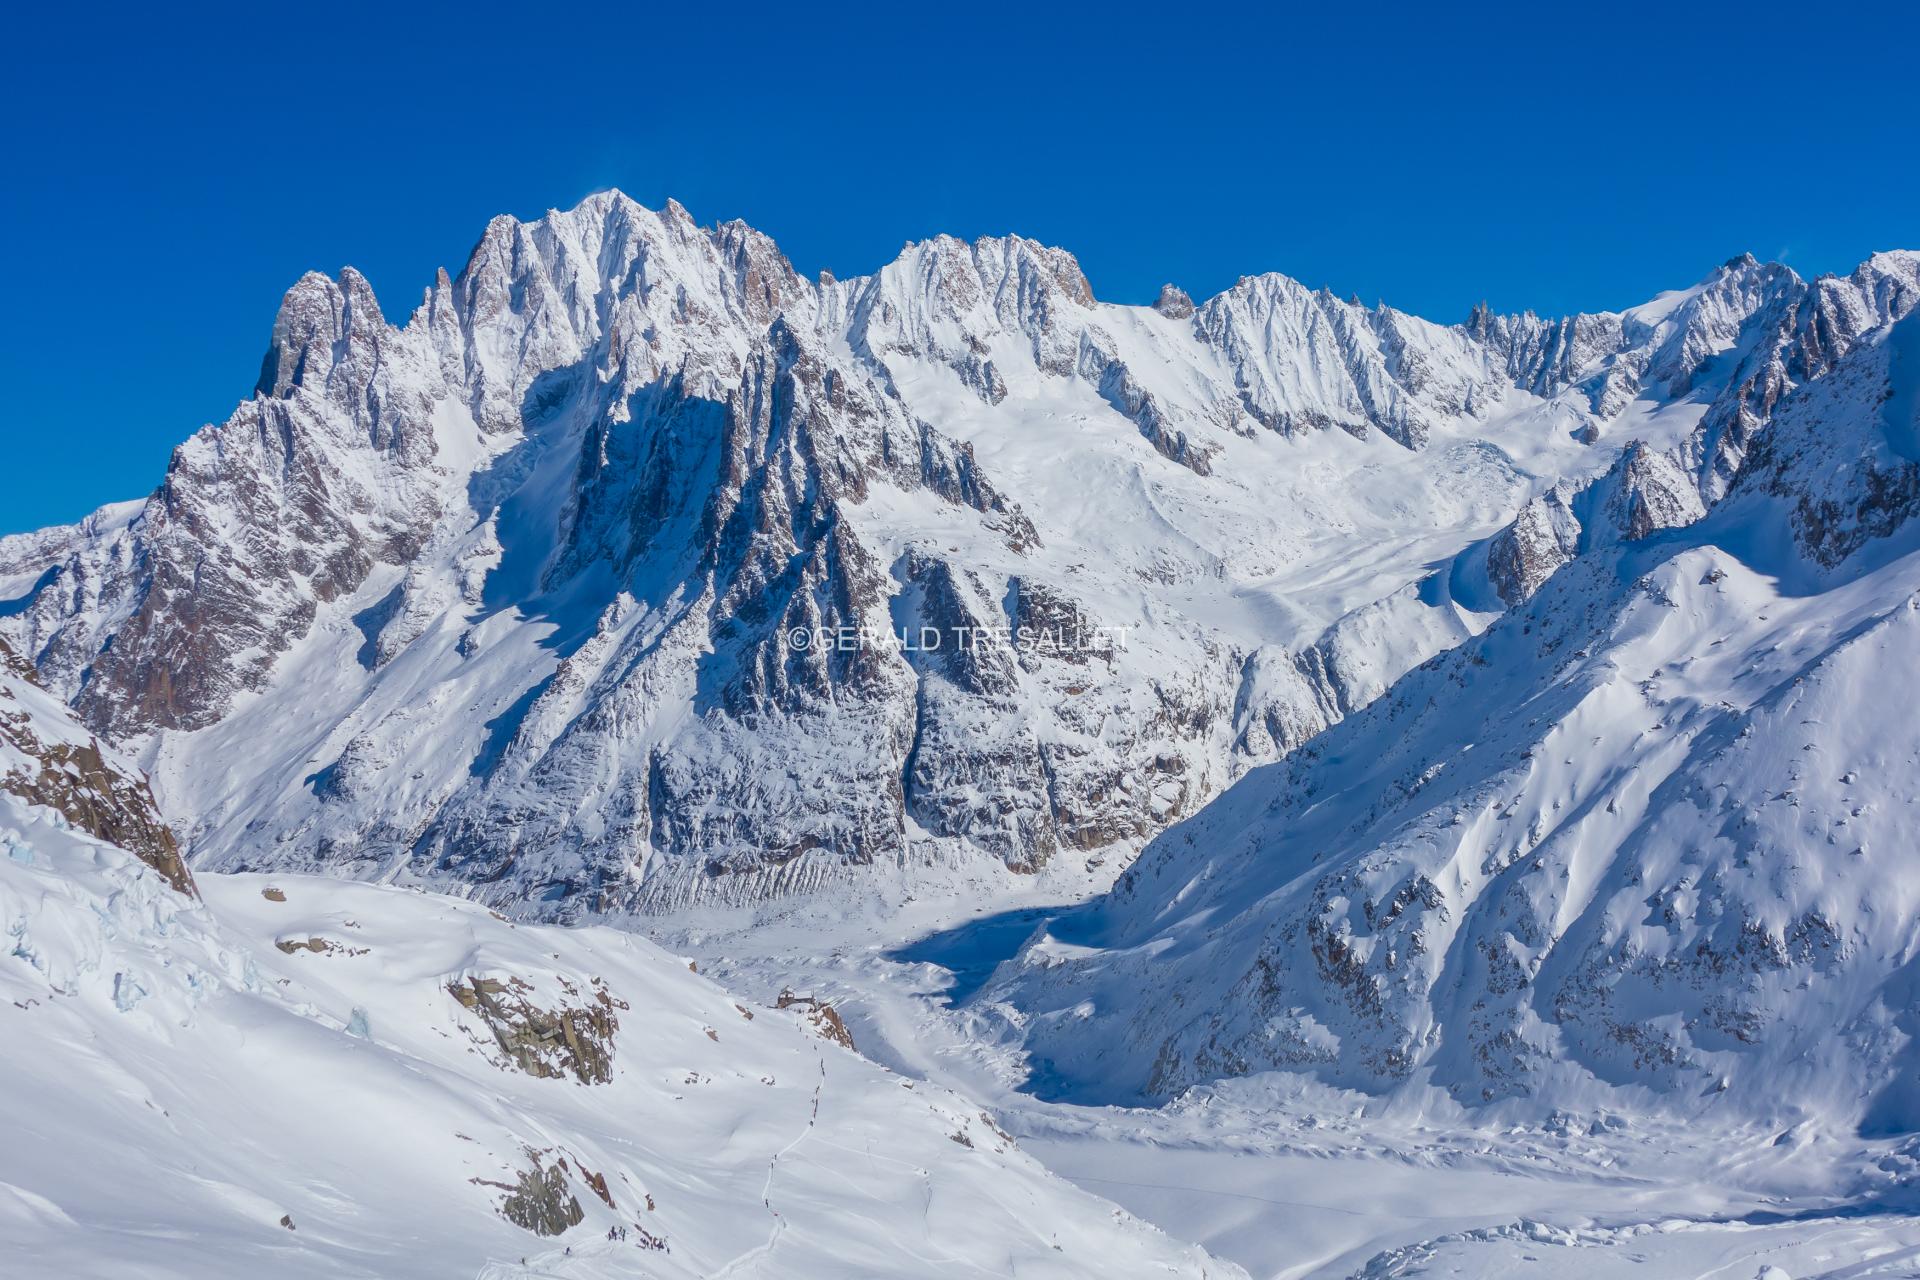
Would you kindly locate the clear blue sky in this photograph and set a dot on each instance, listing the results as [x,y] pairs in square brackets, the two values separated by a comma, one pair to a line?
[166,176]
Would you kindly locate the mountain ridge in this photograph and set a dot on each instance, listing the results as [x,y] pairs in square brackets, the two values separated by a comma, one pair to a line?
[593,484]
[1640,840]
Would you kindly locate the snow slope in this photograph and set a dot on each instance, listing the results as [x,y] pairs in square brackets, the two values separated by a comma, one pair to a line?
[283,1080]
[1644,843]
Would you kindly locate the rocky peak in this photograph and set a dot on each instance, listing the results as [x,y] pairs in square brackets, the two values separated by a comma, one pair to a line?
[1644,491]
[326,339]
[1173,302]
[1647,491]
[972,307]
[1020,283]
[1714,318]
[1843,481]
[1888,281]
[1305,361]
[1802,334]
[1015,260]
[1542,538]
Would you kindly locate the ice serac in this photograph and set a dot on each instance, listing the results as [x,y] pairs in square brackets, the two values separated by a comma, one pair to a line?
[587,584]
[1644,834]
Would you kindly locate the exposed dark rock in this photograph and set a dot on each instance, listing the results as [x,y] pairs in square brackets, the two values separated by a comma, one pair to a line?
[318,946]
[540,1200]
[1118,388]
[1544,536]
[1173,302]
[820,1015]
[76,779]
[575,1040]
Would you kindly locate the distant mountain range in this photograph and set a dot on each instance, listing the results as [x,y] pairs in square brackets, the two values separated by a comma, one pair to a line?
[507,595]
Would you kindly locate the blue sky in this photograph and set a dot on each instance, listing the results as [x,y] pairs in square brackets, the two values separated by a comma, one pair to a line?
[166,177]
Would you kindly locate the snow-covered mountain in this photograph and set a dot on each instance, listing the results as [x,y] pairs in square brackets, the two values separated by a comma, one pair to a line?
[293,1076]
[508,595]
[1647,841]
[1511,714]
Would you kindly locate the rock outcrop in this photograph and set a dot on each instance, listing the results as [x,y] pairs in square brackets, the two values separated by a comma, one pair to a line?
[1173,303]
[47,759]
[572,1039]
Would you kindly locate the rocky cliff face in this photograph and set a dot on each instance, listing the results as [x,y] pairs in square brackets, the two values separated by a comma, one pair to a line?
[1645,833]
[1757,329]
[1644,492]
[593,582]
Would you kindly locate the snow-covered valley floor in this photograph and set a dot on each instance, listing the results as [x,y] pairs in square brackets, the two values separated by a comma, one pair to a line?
[1292,1180]
[293,1076]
